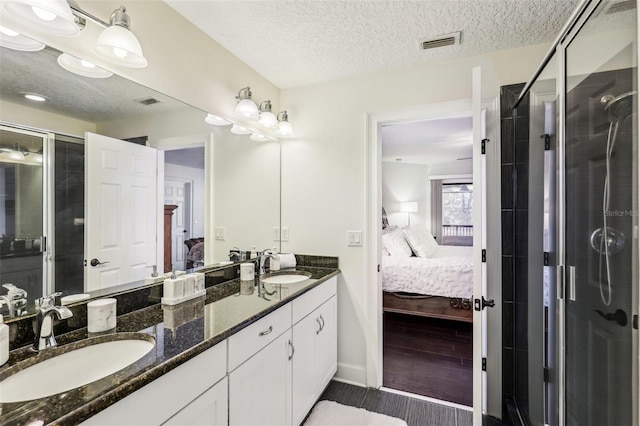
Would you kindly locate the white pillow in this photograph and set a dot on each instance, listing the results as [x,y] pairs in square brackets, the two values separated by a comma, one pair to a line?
[396,244]
[421,241]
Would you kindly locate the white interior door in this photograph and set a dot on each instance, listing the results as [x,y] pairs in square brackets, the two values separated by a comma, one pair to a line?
[176,192]
[479,244]
[121,211]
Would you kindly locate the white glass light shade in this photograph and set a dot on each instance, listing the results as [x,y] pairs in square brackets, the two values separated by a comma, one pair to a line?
[16,155]
[214,120]
[258,137]
[268,120]
[119,45]
[34,97]
[247,109]
[285,129]
[237,130]
[16,41]
[409,207]
[52,16]
[82,67]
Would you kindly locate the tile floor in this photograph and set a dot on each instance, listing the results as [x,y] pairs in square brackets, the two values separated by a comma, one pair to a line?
[415,412]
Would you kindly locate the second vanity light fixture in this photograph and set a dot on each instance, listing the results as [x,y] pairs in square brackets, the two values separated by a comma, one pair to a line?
[247,109]
[116,44]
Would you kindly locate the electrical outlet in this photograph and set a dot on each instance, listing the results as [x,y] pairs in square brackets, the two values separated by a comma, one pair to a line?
[220,233]
[276,233]
[284,234]
[354,238]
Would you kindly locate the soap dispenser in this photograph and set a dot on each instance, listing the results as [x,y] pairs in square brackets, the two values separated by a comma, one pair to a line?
[274,264]
[4,341]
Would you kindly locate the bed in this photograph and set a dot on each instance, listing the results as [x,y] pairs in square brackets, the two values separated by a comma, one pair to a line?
[195,252]
[420,277]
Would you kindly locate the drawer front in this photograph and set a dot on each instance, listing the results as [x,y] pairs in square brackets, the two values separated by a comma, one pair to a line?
[305,304]
[251,339]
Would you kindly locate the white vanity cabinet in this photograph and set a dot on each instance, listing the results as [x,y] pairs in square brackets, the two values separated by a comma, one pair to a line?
[209,409]
[260,389]
[315,360]
[160,400]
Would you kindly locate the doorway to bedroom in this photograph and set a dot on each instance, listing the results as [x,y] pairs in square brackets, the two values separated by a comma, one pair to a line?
[426,261]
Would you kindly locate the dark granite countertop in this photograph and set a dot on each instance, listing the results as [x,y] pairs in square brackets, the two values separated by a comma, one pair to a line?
[180,331]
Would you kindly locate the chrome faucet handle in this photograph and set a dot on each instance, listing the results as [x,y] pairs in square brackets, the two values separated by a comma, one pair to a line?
[48,301]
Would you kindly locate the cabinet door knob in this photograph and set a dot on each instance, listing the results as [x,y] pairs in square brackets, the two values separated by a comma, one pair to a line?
[267,331]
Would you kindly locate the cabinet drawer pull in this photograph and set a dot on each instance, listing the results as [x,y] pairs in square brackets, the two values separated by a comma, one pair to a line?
[319,326]
[322,319]
[267,331]
[293,350]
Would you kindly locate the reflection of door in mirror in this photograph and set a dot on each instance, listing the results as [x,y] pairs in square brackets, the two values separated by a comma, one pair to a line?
[122,211]
[21,211]
[184,187]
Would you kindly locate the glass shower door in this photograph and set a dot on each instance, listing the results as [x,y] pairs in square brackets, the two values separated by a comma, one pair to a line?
[600,214]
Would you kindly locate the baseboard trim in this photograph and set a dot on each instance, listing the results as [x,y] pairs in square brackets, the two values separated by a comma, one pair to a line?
[351,374]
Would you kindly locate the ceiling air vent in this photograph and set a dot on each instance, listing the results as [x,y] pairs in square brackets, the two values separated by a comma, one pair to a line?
[621,6]
[440,41]
[148,101]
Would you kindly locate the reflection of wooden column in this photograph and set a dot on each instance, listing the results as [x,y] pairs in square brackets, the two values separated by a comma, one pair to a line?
[168,212]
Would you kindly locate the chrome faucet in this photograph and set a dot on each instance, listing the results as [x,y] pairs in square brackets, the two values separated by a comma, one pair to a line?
[262,291]
[44,331]
[15,299]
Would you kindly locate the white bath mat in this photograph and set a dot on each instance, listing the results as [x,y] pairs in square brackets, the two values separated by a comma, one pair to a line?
[330,413]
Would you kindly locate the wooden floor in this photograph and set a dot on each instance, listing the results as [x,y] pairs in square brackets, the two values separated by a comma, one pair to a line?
[428,356]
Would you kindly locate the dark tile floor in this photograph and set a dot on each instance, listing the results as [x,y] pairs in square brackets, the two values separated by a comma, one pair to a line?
[414,411]
[429,357]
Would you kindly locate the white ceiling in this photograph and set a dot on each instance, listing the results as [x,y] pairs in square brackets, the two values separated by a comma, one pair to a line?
[303,42]
[428,142]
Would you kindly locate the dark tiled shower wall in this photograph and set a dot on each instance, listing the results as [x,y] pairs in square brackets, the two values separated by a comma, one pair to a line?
[515,176]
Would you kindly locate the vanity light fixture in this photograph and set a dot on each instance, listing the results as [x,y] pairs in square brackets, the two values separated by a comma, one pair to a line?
[34,96]
[238,130]
[52,16]
[82,67]
[118,44]
[267,118]
[214,120]
[258,137]
[285,128]
[246,108]
[16,41]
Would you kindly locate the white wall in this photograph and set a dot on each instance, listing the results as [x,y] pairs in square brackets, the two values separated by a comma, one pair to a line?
[324,167]
[197,176]
[406,182]
[19,114]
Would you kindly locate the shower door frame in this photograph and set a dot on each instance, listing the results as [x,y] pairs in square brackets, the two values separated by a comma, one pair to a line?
[572,28]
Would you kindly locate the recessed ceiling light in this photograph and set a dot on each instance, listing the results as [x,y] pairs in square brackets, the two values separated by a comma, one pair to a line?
[34,97]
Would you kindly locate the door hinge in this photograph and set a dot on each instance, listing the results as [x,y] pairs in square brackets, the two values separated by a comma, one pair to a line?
[480,304]
[484,364]
[560,282]
[484,146]
[634,322]
[484,255]
[43,244]
[378,268]
[546,258]
[545,372]
[547,141]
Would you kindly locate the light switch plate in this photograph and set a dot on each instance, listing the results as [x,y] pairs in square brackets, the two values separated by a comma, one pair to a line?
[284,234]
[354,238]
[221,233]
[276,233]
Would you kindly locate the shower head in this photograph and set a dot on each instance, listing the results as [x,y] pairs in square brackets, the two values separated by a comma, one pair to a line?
[619,107]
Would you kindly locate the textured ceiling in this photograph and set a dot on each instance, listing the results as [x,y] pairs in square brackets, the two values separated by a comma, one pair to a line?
[302,42]
[89,99]
[428,142]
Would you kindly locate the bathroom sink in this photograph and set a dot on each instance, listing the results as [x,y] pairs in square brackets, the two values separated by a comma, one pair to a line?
[286,278]
[74,368]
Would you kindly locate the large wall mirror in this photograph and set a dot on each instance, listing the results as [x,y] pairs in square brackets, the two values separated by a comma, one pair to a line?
[88,176]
